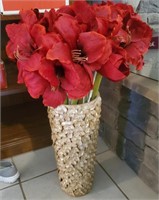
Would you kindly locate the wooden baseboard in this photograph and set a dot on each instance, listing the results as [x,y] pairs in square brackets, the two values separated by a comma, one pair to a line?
[24,127]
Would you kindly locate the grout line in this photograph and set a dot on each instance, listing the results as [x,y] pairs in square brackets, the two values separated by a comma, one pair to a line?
[9,186]
[102,152]
[113,180]
[39,175]
[21,187]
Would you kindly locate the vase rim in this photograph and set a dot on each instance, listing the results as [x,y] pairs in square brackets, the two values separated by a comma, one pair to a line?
[77,105]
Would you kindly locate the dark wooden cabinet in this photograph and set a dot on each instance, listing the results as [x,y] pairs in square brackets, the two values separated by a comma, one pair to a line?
[24,121]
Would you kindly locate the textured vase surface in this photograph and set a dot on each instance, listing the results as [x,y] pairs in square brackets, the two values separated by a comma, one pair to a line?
[74,135]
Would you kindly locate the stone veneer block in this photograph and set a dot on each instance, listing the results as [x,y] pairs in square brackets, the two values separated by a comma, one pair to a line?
[153,143]
[153,18]
[131,132]
[150,59]
[151,159]
[149,177]
[120,146]
[154,110]
[110,97]
[112,136]
[133,155]
[109,134]
[143,16]
[109,116]
[149,6]
[152,127]
[112,85]
[139,114]
[144,86]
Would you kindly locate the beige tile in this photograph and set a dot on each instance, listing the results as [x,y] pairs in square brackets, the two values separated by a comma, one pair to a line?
[125,177]
[11,193]
[35,163]
[101,145]
[47,187]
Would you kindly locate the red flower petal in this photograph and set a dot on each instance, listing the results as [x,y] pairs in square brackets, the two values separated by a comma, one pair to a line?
[141,34]
[28,17]
[84,13]
[66,10]
[10,49]
[122,37]
[91,43]
[53,98]
[47,71]
[134,56]
[124,10]
[69,29]
[60,51]
[114,69]
[35,84]
[44,41]
[84,86]
[71,77]
[102,26]
[20,38]
[20,72]
[17,32]
[102,11]
[37,31]
[48,20]
[32,63]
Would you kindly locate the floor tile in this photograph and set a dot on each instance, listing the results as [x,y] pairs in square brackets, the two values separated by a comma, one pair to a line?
[4,185]
[125,177]
[47,187]
[101,146]
[35,163]
[11,193]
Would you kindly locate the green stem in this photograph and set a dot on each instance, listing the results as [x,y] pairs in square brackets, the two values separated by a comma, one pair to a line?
[74,101]
[80,101]
[96,85]
[66,101]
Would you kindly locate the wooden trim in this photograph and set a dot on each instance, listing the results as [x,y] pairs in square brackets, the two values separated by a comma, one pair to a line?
[9,17]
[24,127]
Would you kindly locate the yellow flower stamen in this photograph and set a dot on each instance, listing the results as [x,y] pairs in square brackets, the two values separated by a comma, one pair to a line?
[77,56]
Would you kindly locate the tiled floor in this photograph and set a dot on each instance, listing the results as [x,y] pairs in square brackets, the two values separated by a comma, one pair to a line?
[39,180]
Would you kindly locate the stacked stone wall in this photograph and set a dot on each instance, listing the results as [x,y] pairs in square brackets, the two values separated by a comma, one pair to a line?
[129,125]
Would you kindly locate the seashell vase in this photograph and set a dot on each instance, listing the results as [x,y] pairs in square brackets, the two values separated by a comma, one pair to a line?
[74,135]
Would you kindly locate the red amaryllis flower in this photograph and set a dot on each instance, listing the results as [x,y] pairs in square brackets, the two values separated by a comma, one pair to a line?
[35,84]
[28,17]
[84,14]
[140,34]
[69,30]
[48,20]
[58,52]
[135,39]
[108,20]
[21,44]
[126,11]
[84,46]
[73,78]
[44,40]
[54,98]
[66,10]
[115,68]
[41,79]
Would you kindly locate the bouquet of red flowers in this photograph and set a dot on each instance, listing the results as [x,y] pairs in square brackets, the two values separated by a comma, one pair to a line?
[62,55]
